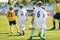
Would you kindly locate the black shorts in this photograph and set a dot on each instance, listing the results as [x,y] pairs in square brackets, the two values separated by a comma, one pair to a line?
[57,16]
[12,22]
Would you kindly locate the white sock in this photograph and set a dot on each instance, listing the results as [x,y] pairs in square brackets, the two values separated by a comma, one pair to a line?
[21,30]
[32,33]
[42,33]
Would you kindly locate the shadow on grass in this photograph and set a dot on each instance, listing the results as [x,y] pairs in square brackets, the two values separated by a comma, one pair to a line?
[13,35]
[34,39]
[35,36]
[51,30]
[4,33]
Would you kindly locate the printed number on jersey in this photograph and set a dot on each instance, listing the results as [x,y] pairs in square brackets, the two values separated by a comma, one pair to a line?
[9,14]
[22,13]
[38,14]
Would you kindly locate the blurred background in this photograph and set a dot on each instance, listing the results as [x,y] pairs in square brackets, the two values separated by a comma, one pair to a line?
[28,5]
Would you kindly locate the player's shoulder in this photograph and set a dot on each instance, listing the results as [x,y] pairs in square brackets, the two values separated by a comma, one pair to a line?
[38,9]
[24,9]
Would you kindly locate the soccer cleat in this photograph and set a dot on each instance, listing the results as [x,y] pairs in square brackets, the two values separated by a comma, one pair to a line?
[30,38]
[20,34]
[42,38]
[23,32]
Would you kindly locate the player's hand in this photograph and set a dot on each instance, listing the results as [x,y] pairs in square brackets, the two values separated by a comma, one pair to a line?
[6,13]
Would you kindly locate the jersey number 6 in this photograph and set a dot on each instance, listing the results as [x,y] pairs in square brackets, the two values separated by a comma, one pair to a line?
[38,14]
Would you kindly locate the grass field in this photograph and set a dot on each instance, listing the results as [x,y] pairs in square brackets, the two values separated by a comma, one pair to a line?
[49,34]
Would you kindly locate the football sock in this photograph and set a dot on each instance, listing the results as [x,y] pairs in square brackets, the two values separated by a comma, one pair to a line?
[42,33]
[32,32]
[11,29]
[17,28]
[54,24]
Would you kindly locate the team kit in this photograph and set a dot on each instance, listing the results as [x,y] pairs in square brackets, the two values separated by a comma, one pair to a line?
[39,16]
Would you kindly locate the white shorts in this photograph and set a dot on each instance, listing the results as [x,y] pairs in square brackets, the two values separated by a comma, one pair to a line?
[22,22]
[41,24]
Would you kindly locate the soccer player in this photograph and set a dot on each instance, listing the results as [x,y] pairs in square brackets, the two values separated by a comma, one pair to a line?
[39,17]
[30,26]
[56,14]
[22,18]
[11,18]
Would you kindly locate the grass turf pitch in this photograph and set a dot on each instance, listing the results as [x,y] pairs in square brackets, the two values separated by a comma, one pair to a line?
[49,34]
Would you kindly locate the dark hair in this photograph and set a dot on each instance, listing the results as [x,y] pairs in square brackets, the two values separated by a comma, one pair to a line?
[11,8]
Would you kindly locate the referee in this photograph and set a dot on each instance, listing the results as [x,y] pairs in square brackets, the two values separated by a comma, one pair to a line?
[56,14]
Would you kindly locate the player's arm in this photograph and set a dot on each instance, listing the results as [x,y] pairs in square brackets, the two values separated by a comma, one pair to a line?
[17,13]
[33,15]
[14,14]
[6,13]
[13,3]
[26,15]
[44,14]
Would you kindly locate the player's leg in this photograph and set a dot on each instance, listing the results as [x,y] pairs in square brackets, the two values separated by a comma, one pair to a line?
[11,29]
[42,25]
[53,24]
[59,24]
[42,31]
[30,26]
[23,24]
[32,32]
[23,30]
[17,28]
[59,19]
[10,23]
[20,28]
[56,16]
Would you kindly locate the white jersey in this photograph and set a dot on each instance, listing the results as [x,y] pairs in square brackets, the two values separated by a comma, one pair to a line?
[22,14]
[39,12]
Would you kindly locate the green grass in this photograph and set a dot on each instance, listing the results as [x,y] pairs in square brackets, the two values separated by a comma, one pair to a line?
[49,34]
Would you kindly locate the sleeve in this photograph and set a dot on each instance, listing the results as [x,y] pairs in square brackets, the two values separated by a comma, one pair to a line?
[25,11]
[18,13]
[45,13]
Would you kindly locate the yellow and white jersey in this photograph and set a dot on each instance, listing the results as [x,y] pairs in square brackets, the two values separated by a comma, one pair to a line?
[10,15]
